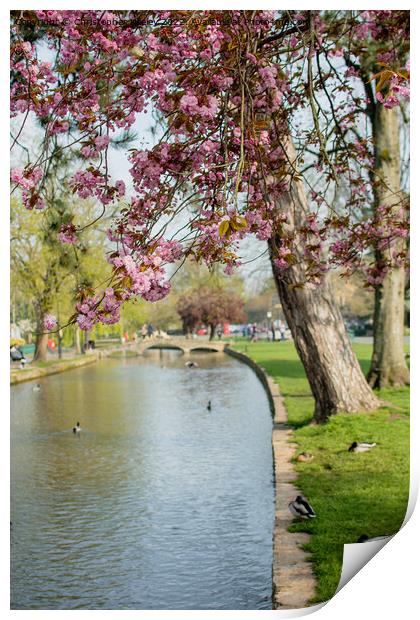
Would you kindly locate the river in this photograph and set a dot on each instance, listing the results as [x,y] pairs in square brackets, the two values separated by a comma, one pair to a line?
[159,503]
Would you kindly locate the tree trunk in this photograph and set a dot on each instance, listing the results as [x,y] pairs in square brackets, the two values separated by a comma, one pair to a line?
[77,340]
[212,331]
[43,307]
[318,329]
[187,329]
[388,365]
[40,354]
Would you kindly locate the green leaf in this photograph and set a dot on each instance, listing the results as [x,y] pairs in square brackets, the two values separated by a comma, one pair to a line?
[224,228]
[238,223]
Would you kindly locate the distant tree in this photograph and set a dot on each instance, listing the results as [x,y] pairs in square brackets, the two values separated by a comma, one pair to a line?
[46,272]
[162,314]
[41,267]
[370,60]
[189,310]
[209,306]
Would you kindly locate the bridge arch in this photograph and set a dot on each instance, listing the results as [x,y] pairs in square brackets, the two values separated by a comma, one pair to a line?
[163,346]
[204,348]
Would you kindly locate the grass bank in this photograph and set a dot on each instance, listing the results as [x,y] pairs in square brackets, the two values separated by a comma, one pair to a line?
[352,494]
[37,370]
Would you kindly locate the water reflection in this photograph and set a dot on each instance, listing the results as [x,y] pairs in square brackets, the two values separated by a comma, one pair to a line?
[158,503]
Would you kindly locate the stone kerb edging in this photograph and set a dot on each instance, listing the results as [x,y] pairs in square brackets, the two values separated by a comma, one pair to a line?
[293,580]
[29,374]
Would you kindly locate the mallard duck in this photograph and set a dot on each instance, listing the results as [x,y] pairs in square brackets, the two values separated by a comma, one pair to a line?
[305,457]
[361,446]
[301,508]
[36,388]
[191,364]
[209,406]
[77,428]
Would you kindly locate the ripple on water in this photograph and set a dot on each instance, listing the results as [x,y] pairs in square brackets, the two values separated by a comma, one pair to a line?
[158,504]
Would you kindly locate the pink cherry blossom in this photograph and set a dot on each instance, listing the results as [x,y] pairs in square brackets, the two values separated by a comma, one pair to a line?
[67,233]
[226,94]
[49,322]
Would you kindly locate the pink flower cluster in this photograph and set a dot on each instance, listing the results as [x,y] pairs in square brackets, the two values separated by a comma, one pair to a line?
[26,178]
[169,250]
[146,169]
[67,233]
[260,224]
[398,89]
[226,99]
[190,105]
[91,183]
[385,232]
[49,322]
[140,280]
[94,309]
[283,253]
[94,146]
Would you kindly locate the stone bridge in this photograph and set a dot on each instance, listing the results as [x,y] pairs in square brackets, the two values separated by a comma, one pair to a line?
[186,345]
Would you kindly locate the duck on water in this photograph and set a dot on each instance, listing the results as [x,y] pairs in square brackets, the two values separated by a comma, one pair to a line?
[77,428]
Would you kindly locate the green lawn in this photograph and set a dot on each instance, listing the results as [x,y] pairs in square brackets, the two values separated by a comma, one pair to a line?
[64,361]
[352,494]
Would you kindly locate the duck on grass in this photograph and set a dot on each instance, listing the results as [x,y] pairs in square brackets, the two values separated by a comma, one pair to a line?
[301,508]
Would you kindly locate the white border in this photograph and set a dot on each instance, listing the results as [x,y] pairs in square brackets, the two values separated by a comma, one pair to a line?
[386,586]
